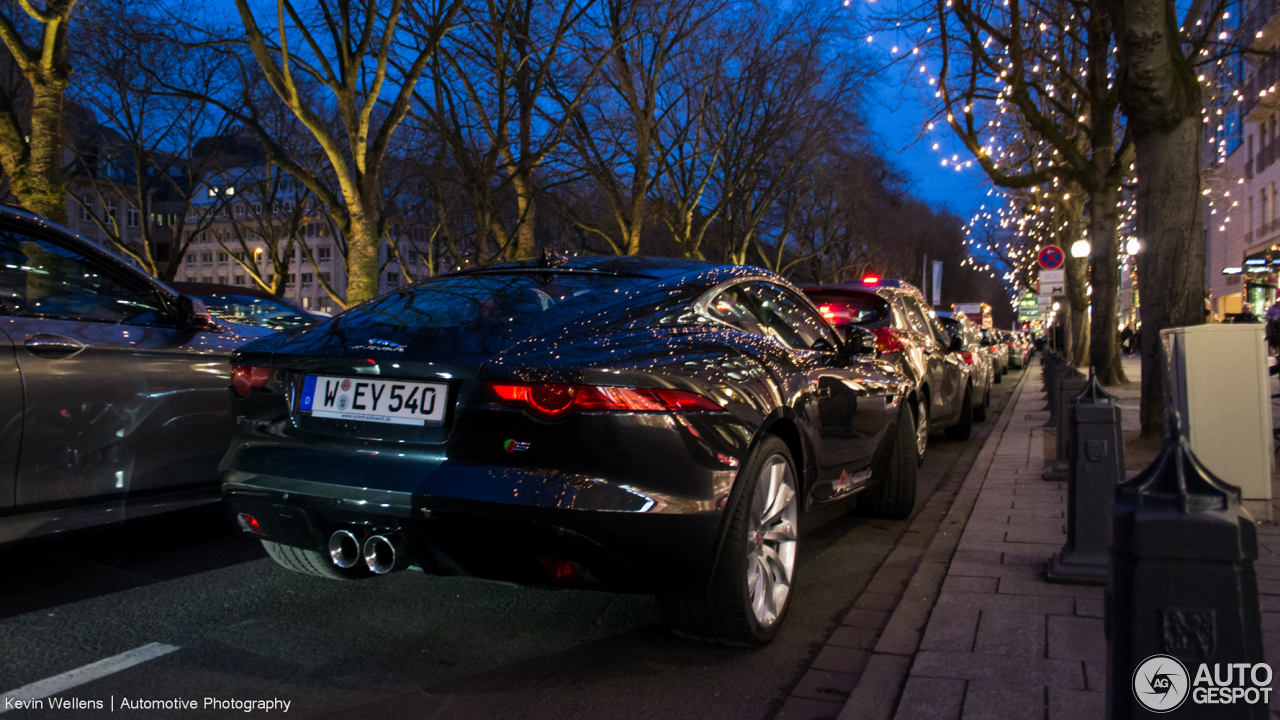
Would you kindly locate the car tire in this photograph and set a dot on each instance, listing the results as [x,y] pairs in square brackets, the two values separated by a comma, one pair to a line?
[743,606]
[980,411]
[307,562]
[964,428]
[896,496]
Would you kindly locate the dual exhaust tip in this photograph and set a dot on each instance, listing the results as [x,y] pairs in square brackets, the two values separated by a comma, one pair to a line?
[377,552]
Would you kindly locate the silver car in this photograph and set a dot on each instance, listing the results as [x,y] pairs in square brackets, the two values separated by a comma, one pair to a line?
[113,388]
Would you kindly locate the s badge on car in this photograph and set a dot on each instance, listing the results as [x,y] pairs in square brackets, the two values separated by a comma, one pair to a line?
[512,446]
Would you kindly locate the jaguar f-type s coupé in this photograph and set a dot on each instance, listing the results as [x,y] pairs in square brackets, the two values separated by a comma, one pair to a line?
[637,424]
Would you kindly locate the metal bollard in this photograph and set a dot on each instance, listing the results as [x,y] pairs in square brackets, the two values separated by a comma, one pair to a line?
[1095,466]
[1182,596]
[1060,372]
[1065,388]
[1047,378]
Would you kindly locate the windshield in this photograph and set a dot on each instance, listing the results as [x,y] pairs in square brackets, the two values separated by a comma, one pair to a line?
[511,304]
[253,310]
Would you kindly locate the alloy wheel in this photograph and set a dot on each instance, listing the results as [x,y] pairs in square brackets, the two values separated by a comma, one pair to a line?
[922,432]
[771,541]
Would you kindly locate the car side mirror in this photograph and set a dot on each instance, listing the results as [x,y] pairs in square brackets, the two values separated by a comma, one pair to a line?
[860,341]
[957,344]
[193,315]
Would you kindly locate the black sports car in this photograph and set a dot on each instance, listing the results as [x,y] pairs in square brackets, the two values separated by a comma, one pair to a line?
[638,424]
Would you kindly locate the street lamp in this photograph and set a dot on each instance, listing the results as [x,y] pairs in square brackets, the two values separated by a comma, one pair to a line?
[1080,248]
[1133,247]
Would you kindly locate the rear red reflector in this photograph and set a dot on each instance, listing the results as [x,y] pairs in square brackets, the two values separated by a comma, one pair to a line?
[249,377]
[562,570]
[556,400]
[966,356]
[249,523]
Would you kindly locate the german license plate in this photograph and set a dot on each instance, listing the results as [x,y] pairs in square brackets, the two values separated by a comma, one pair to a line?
[373,400]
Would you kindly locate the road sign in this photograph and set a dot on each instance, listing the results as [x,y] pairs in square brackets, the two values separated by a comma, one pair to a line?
[1053,276]
[1051,257]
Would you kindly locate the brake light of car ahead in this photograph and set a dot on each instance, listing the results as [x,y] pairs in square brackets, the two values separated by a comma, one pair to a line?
[249,377]
[554,400]
[888,340]
[966,356]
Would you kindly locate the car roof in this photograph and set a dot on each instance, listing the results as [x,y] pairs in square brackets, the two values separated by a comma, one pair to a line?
[652,266]
[187,288]
[23,217]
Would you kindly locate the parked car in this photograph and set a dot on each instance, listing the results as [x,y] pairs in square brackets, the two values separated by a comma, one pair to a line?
[998,350]
[983,374]
[1019,350]
[248,306]
[645,425]
[909,337]
[113,386]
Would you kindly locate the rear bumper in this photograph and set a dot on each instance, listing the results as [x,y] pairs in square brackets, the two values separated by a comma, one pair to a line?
[663,552]
[636,501]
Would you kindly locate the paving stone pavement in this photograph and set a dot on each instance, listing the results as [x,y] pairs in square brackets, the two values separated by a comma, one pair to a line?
[1000,641]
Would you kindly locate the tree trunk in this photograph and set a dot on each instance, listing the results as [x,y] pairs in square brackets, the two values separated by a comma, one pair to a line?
[37,179]
[1162,100]
[1171,269]
[525,245]
[1104,275]
[362,259]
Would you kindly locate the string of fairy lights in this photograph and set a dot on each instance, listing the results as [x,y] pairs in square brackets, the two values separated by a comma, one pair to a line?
[1005,236]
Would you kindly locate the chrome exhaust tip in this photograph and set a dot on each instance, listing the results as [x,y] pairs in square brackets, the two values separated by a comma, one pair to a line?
[379,554]
[344,549]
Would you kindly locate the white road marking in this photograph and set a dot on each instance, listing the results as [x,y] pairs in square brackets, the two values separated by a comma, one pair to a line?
[88,673]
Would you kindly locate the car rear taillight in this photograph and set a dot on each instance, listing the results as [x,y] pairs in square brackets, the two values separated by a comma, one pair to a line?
[966,356]
[249,523]
[888,340]
[555,400]
[249,377]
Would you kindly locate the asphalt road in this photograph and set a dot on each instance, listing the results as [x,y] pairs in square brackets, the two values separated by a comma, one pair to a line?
[404,646]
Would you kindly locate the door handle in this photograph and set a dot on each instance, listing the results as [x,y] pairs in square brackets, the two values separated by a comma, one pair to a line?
[49,344]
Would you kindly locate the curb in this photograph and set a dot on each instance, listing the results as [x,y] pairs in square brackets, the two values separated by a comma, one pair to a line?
[875,696]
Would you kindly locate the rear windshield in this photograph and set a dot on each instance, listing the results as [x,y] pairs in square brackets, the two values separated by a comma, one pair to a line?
[514,304]
[253,310]
[850,308]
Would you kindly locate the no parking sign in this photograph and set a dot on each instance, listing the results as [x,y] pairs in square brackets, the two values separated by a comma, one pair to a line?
[1051,257]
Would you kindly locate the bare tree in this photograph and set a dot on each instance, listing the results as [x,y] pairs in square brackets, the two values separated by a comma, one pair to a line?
[347,71]
[1163,103]
[31,113]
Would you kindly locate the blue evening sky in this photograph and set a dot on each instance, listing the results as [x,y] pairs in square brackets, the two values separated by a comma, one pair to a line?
[896,120]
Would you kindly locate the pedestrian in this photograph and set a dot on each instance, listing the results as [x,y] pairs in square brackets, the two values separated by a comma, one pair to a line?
[1245,315]
[1272,332]
[1126,340]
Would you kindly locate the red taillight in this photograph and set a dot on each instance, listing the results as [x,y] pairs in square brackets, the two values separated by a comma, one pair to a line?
[249,377]
[249,523]
[561,570]
[827,312]
[966,356]
[554,400]
[888,340]
[871,280]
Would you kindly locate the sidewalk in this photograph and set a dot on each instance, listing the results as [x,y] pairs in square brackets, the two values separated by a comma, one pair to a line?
[1000,642]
